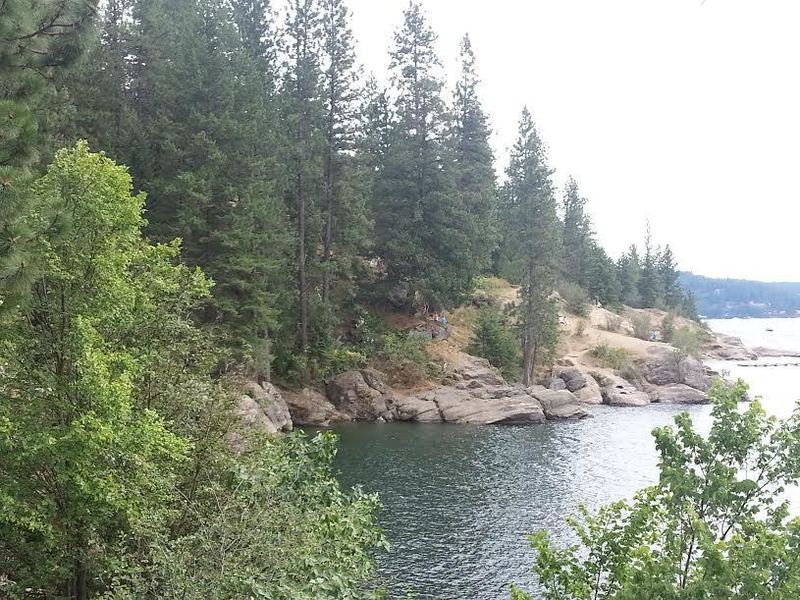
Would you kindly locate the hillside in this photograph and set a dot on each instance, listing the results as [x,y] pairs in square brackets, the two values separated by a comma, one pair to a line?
[721,298]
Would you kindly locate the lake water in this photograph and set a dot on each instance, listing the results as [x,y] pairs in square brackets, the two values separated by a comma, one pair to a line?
[459,501]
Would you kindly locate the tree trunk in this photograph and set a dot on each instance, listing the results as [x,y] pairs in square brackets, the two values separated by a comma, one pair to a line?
[301,263]
[328,242]
[80,586]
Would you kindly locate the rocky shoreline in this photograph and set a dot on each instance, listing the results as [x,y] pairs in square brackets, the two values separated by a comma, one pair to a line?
[476,393]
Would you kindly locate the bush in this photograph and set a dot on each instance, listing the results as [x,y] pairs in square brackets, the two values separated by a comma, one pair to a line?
[641,326]
[687,343]
[613,323]
[580,328]
[612,357]
[399,347]
[668,327]
[576,299]
[339,359]
[494,341]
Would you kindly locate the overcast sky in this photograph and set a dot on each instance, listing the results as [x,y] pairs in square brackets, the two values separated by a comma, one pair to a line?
[683,112]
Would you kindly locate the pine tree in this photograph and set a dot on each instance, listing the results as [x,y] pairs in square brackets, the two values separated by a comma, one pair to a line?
[668,275]
[629,275]
[532,243]
[418,213]
[474,160]
[342,202]
[649,282]
[577,233]
[303,111]
[37,40]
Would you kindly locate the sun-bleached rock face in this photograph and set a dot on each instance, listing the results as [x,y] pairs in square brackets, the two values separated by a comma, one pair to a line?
[263,407]
[447,404]
[677,393]
[309,407]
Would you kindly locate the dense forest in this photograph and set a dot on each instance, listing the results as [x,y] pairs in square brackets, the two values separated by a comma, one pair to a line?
[720,298]
[196,194]
[308,192]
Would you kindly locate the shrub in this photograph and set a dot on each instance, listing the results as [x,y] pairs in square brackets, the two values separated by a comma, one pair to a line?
[612,357]
[668,327]
[494,341]
[641,326]
[399,347]
[613,323]
[576,299]
[580,328]
[339,359]
[687,343]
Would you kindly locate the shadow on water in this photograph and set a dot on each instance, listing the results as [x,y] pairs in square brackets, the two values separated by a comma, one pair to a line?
[459,501]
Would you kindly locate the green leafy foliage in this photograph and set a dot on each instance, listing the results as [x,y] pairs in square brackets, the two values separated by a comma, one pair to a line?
[494,340]
[716,525]
[117,473]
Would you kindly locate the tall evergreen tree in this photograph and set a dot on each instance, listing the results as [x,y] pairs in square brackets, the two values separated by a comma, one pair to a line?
[668,275]
[629,273]
[532,243]
[474,160]
[649,282]
[419,215]
[342,201]
[37,39]
[577,234]
[303,116]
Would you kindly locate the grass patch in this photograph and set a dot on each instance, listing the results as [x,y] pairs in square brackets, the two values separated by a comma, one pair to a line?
[611,357]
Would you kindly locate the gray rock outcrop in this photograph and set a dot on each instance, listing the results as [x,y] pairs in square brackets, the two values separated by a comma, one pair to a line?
[582,385]
[263,407]
[361,395]
[309,407]
[663,366]
[728,347]
[560,404]
[677,393]
[616,391]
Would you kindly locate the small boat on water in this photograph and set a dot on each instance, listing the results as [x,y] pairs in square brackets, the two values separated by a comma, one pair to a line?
[770,330]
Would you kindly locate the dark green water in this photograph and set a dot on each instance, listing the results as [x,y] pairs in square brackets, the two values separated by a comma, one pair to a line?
[460,500]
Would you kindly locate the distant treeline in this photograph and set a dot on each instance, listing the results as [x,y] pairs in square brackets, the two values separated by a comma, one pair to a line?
[717,298]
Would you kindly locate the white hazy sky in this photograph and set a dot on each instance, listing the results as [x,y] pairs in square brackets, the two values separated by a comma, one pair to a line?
[683,112]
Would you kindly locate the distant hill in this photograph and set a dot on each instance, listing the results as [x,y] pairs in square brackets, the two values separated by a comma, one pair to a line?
[717,298]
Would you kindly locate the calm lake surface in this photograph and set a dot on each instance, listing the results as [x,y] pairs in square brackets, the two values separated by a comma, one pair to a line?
[460,500]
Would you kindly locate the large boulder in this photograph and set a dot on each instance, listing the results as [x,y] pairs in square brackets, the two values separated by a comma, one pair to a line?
[419,410]
[663,366]
[262,406]
[560,404]
[458,406]
[677,393]
[589,393]
[309,407]
[574,379]
[353,394]
[479,370]
[616,391]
